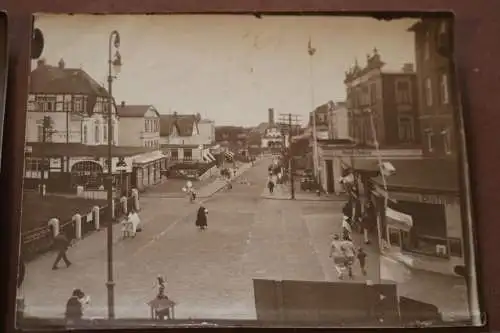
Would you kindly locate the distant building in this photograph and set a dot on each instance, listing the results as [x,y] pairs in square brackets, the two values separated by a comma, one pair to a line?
[273,138]
[338,121]
[382,104]
[139,125]
[182,140]
[323,117]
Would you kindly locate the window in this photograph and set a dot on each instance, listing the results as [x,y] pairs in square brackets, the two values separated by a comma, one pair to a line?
[188,154]
[46,103]
[34,166]
[405,129]
[446,141]
[97,134]
[403,92]
[84,134]
[146,125]
[427,51]
[444,89]
[428,92]
[48,134]
[78,104]
[174,154]
[105,132]
[373,93]
[429,137]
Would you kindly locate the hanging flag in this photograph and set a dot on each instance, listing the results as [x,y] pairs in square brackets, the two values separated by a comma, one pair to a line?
[310,49]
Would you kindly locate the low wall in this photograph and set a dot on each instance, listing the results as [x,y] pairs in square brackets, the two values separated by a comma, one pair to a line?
[38,241]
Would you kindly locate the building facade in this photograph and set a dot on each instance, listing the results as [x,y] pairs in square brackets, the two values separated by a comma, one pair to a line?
[437,107]
[76,104]
[382,105]
[67,134]
[338,121]
[427,193]
[139,125]
[182,140]
[323,118]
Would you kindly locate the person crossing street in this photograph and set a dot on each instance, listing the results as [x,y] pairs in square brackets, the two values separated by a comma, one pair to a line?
[61,245]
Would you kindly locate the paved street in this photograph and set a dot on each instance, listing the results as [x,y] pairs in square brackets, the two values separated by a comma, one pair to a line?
[209,273]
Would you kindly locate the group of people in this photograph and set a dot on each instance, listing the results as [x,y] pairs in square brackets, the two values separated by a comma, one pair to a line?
[342,249]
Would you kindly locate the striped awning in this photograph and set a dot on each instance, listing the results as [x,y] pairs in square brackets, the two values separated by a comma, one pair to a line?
[229,154]
[398,220]
[207,157]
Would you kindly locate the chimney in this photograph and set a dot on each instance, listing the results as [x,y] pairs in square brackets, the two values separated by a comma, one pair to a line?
[271,116]
[408,68]
[122,104]
[61,63]
[40,62]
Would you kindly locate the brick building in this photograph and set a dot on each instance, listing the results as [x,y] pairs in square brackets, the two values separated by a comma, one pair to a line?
[432,49]
[389,98]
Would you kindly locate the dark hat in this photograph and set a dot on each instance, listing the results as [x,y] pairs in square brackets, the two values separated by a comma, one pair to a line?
[78,293]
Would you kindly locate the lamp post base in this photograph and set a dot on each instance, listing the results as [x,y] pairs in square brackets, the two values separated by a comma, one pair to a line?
[110,285]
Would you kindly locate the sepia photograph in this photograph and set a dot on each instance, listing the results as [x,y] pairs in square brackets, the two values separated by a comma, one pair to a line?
[245,170]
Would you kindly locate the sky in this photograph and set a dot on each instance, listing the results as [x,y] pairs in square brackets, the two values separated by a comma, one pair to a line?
[230,69]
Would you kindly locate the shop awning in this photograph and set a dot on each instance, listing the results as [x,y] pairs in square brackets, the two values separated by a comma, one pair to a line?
[148,157]
[207,157]
[229,154]
[398,219]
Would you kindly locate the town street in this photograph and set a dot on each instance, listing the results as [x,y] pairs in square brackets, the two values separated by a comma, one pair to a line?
[209,273]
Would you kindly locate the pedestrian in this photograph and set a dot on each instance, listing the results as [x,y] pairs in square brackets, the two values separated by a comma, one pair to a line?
[74,306]
[337,255]
[349,251]
[362,260]
[270,186]
[201,218]
[346,228]
[61,245]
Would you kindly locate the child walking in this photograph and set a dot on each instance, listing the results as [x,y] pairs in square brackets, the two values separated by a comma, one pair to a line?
[362,260]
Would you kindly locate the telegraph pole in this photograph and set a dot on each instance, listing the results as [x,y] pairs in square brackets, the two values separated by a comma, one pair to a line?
[288,121]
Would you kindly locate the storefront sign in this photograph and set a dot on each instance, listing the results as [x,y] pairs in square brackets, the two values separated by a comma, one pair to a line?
[356,152]
[416,197]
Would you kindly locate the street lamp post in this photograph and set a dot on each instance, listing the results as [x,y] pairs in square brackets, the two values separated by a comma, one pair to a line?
[114,66]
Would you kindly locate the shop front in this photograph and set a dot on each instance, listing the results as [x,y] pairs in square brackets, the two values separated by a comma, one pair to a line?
[147,169]
[337,160]
[424,229]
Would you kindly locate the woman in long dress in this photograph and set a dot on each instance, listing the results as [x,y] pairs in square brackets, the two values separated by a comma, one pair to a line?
[201,218]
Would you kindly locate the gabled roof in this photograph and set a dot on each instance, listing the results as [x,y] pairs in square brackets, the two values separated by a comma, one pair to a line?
[134,111]
[46,79]
[184,123]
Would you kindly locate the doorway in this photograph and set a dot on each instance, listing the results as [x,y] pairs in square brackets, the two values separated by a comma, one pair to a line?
[330,183]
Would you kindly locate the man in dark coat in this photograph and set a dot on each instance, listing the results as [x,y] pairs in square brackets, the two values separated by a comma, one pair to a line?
[61,245]
[201,218]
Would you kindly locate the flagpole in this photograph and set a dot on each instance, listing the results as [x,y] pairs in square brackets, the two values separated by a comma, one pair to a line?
[311,52]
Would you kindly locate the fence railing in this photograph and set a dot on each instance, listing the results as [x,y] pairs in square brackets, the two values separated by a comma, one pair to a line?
[38,241]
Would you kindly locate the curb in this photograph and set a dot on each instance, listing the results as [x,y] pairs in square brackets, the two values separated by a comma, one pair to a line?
[413,268]
[222,187]
[309,200]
